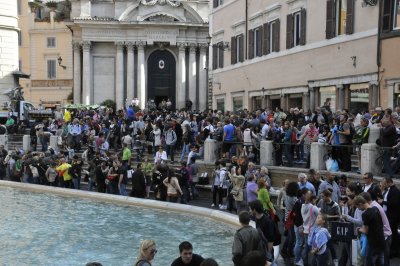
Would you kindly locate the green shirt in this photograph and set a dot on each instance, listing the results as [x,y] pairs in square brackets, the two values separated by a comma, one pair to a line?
[126,154]
[263,196]
[148,169]
[10,122]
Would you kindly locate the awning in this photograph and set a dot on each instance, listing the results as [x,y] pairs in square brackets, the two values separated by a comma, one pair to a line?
[21,74]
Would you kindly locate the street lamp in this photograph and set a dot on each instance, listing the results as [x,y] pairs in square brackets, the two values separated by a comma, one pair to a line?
[59,59]
[263,98]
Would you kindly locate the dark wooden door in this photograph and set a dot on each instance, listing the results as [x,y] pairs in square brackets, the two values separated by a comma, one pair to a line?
[161,73]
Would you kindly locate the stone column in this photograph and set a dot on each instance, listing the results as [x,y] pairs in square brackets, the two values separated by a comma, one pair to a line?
[341,96]
[374,89]
[318,151]
[369,155]
[312,99]
[119,80]
[306,104]
[26,142]
[181,77]
[130,73]
[77,72]
[141,75]
[268,102]
[203,77]
[87,73]
[210,151]
[4,141]
[266,153]
[283,102]
[192,75]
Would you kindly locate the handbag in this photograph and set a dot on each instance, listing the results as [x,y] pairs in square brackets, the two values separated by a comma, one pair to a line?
[289,223]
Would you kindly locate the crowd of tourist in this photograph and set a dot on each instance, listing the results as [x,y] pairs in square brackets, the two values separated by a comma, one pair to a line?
[101,146]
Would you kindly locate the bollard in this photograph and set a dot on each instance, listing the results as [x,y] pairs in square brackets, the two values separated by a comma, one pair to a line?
[210,151]
[374,132]
[54,142]
[318,151]
[369,155]
[267,153]
[4,141]
[26,142]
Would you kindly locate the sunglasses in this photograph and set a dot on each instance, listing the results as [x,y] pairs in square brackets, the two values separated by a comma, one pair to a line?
[153,251]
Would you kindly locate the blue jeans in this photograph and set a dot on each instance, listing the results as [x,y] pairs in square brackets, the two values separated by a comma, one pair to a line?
[288,244]
[185,149]
[122,190]
[386,162]
[300,246]
[170,151]
[77,182]
[374,256]
[91,184]
[287,147]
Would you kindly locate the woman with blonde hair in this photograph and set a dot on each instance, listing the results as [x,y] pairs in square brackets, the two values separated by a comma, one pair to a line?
[147,251]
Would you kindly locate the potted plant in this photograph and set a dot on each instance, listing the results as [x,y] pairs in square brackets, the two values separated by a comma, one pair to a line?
[52,5]
[34,5]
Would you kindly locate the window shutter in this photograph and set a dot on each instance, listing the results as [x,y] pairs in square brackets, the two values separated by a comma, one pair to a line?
[276,35]
[241,47]
[289,31]
[350,17]
[215,56]
[259,41]
[266,48]
[215,3]
[386,16]
[303,26]
[221,55]
[330,19]
[251,44]
[233,51]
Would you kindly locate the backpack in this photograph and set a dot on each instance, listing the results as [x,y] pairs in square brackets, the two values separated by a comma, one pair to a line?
[293,137]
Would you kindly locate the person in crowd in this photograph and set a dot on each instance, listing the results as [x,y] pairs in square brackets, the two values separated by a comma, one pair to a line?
[193,168]
[390,202]
[126,155]
[63,172]
[319,241]
[237,192]
[387,232]
[246,239]
[373,228]
[174,191]
[309,213]
[209,262]
[170,140]
[148,169]
[185,140]
[387,139]
[147,252]
[122,178]
[216,189]
[51,174]
[280,202]
[330,182]
[345,139]
[290,199]
[266,226]
[360,137]
[228,138]
[289,140]
[264,197]
[161,156]
[224,184]
[314,178]
[138,183]
[251,189]
[303,183]
[370,186]
[186,256]
[342,184]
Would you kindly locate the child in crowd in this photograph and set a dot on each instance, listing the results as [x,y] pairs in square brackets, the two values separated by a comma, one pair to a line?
[319,240]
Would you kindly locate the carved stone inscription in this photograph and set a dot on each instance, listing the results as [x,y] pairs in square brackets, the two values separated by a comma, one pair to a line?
[161,36]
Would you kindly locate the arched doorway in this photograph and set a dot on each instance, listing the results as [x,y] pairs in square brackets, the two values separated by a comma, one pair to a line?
[161,72]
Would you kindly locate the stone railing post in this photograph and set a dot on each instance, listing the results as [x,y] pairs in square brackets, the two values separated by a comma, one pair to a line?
[26,142]
[210,151]
[369,154]
[54,142]
[374,132]
[4,141]
[267,153]
[318,151]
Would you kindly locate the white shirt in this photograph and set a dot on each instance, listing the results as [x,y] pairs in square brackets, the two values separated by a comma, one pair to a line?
[385,199]
[367,187]
[160,156]
[264,131]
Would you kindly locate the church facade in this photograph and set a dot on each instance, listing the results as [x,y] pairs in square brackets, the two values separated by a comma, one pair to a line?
[140,49]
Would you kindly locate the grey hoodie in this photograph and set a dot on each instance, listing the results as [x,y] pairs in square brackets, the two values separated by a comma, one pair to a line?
[309,216]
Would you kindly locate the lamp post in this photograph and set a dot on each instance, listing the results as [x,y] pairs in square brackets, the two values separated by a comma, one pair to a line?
[59,59]
[263,98]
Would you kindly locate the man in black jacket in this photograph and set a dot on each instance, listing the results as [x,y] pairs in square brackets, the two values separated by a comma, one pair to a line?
[187,257]
[391,201]
[138,183]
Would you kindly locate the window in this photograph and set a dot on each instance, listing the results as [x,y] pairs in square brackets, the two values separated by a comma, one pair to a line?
[217,3]
[218,55]
[237,104]
[255,42]
[51,69]
[38,14]
[237,51]
[51,42]
[391,15]
[359,96]
[339,18]
[296,29]
[271,37]
[221,105]
[328,97]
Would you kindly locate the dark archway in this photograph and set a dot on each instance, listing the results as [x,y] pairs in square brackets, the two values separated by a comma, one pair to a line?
[161,76]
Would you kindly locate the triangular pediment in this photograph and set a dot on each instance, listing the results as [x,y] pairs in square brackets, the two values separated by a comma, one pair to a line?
[166,11]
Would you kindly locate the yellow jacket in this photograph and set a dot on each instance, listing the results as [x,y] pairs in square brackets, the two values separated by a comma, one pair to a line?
[63,168]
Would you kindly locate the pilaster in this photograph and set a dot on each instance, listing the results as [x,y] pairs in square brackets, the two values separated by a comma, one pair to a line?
[87,73]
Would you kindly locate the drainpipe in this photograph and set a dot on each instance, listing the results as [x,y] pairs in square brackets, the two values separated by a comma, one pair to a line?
[379,48]
[246,29]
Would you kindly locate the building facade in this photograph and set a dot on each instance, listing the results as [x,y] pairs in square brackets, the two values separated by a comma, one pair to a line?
[294,53]
[144,49]
[389,52]
[45,46]
[8,43]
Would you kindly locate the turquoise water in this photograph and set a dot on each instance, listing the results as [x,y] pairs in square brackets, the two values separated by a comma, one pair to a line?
[38,229]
